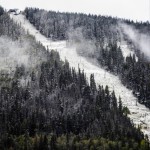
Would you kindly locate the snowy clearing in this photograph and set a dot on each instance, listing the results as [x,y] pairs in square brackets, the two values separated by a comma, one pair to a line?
[126,50]
[139,113]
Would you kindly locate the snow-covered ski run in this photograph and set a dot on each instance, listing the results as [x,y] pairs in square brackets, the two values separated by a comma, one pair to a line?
[139,113]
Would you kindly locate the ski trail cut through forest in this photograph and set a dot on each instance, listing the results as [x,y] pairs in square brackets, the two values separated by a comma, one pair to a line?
[139,113]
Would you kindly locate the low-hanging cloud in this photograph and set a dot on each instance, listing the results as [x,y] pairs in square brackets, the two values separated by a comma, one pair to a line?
[84,47]
[17,53]
[141,41]
[11,54]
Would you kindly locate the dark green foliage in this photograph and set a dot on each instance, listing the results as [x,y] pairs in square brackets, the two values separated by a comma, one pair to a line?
[1,11]
[103,31]
[56,24]
[74,142]
[9,28]
[58,109]
[133,74]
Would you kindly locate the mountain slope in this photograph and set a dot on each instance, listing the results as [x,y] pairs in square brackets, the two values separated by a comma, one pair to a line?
[139,113]
[50,105]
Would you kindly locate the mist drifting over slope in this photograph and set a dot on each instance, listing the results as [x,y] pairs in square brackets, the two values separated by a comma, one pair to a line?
[141,41]
[84,47]
[18,53]
[12,54]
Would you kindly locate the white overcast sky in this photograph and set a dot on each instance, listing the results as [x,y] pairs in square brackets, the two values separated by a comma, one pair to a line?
[131,9]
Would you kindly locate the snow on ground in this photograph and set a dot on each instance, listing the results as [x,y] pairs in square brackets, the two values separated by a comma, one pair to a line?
[126,50]
[139,113]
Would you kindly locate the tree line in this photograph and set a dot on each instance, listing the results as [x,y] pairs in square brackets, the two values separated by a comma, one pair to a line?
[56,108]
[105,34]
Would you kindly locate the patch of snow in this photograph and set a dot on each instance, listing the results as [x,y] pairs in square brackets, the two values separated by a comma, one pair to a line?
[139,113]
[126,50]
